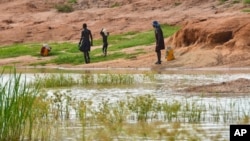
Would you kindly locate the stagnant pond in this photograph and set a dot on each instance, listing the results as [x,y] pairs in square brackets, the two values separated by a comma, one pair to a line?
[171,115]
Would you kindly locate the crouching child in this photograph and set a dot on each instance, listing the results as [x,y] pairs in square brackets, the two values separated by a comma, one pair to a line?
[45,50]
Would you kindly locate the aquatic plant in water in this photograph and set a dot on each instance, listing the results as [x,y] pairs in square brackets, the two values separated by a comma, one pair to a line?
[16,104]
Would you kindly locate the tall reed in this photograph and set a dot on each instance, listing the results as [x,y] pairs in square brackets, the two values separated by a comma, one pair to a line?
[16,100]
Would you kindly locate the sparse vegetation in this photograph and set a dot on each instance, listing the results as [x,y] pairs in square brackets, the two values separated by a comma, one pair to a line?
[247,1]
[116,4]
[246,10]
[65,8]
[63,80]
[72,1]
[177,3]
[236,1]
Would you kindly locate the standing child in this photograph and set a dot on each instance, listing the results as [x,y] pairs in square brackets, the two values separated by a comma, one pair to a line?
[104,35]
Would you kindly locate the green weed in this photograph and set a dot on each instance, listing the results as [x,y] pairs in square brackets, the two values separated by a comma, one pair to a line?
[16,108]
[236,1]
[142,106]
[65,8]
[246,10]
[72,1]
[116,4]
[171,110]
[54,80]
[63,80]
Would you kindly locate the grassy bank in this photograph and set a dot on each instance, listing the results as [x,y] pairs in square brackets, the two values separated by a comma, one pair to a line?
[68,53]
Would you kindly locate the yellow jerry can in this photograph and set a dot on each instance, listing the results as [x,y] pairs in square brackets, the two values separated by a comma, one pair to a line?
[169,54]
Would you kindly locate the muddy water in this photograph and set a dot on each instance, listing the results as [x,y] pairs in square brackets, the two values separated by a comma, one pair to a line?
[165,87]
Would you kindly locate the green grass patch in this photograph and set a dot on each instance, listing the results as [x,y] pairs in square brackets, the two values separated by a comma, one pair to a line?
[68,59]
[17,50]
[68,53]
[113,56]
[33,49]
[132,39]
[78,58]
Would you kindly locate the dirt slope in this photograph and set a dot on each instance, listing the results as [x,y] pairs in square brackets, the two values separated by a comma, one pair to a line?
[213,34]
[214,42]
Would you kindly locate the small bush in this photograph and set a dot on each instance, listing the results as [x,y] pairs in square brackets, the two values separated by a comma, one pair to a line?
[246,10]
[222,1]
[115,5]
[247,1]
[177,3]
[72,1]
[65,8]
[236,1]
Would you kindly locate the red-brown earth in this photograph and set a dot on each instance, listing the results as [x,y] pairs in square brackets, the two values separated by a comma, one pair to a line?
[213,34]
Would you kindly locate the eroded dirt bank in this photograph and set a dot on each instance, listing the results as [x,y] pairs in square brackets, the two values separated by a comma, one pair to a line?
[237,87]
